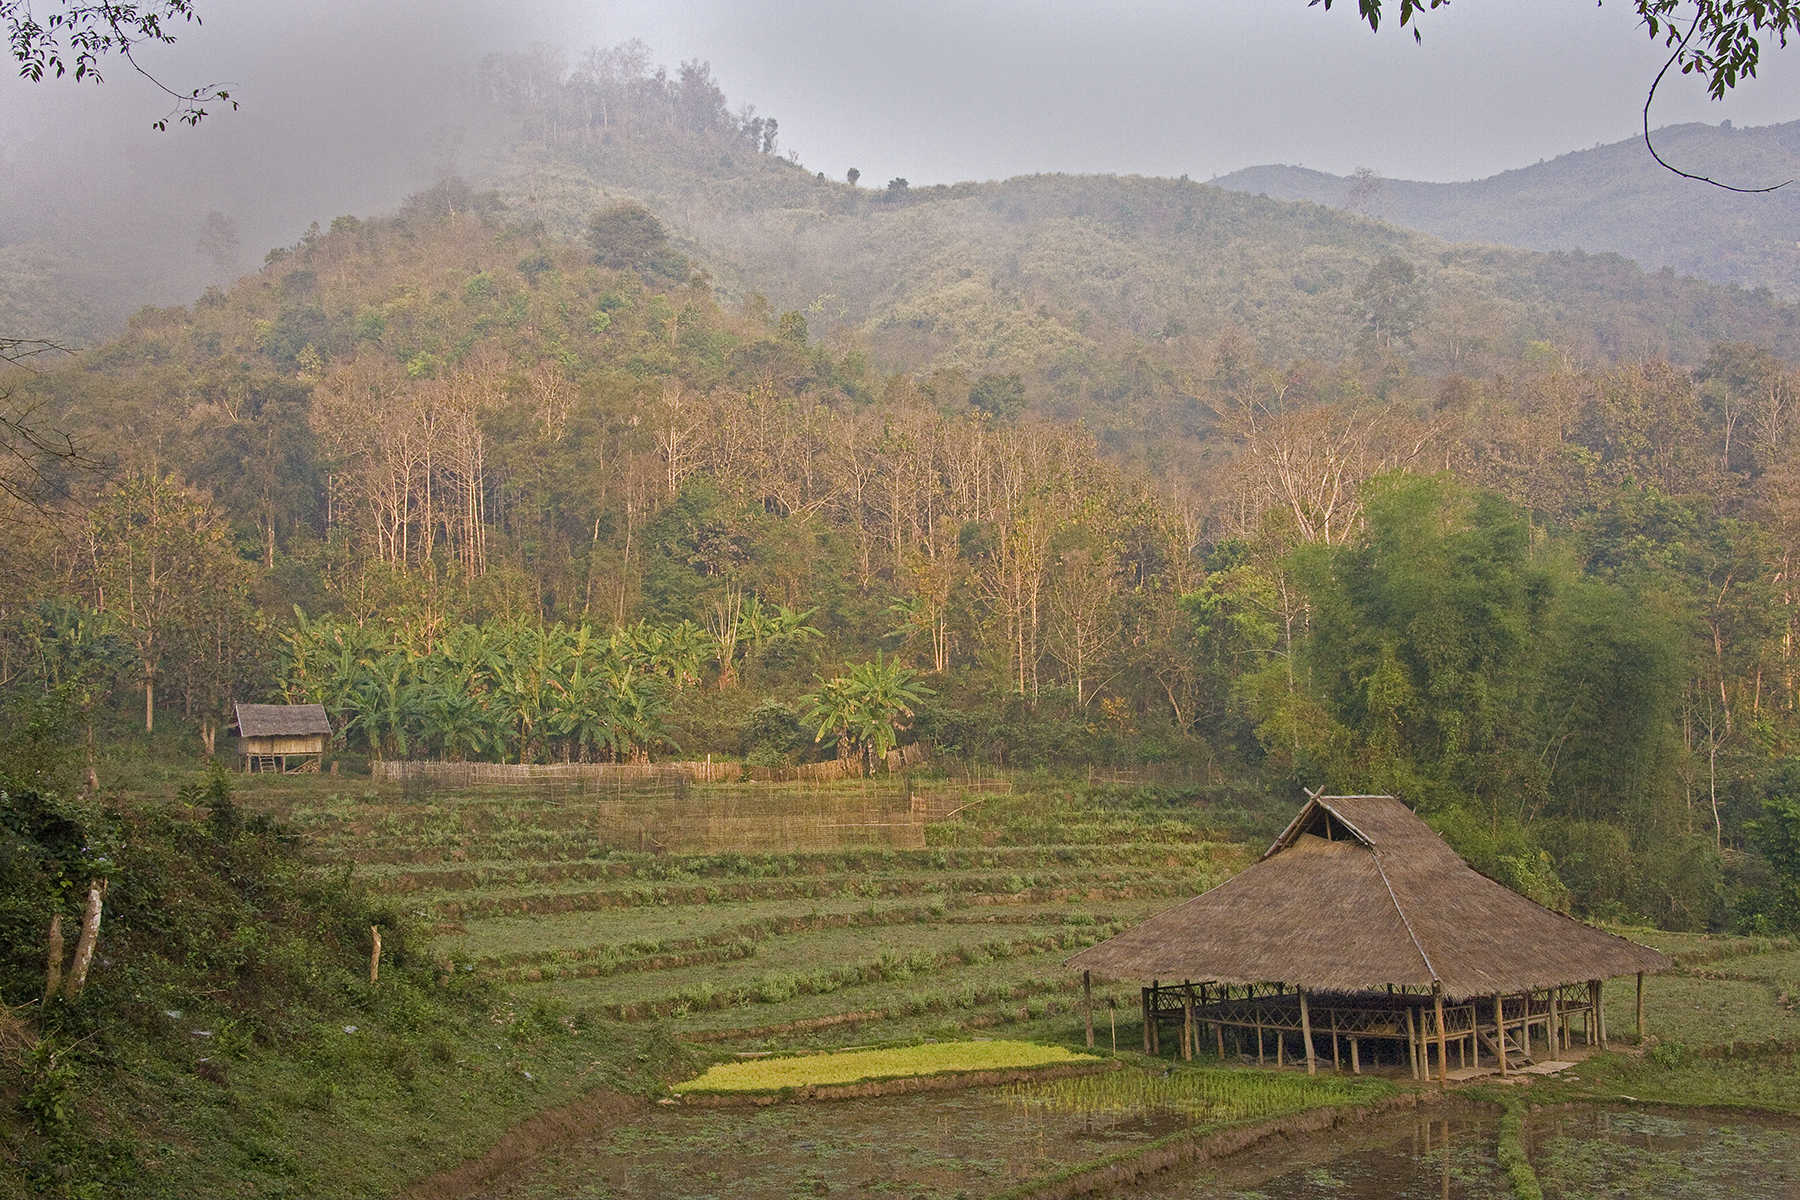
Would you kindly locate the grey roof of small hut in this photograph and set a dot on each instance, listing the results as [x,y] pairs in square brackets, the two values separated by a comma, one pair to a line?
[1358,893]
[281,720]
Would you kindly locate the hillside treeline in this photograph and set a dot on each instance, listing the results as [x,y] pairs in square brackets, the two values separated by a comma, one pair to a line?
[1551,606]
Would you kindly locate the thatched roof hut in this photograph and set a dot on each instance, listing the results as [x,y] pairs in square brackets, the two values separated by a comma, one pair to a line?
[281,737]
[1356,895]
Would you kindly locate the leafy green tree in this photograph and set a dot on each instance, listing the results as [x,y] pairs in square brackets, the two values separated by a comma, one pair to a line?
[161,565]
[867,709]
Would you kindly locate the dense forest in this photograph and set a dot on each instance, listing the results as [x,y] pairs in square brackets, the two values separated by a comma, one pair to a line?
[488,491]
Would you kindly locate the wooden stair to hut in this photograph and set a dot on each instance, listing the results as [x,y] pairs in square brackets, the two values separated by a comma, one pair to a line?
[1516,1055]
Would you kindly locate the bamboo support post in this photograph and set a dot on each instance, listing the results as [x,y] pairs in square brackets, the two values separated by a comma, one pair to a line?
[1306,1033]
[1554,1028]
[1087,1005]
[1500,1032]
[1187,1023]
[374,954]
[1640,1006]
[1256,1015]
[1412,1043]
[1336,1063]
[1155,1017]
[1144,1007]
[1355,1058]
[1597,1017]
[1443,1049]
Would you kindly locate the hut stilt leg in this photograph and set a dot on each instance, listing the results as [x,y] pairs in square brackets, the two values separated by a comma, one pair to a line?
[1306,1033]
[1087,1005]
[1355,1058]
[1144,1005]
[1640,1006]
[1443,1047]
[1155,1017]
[1259,1038]
[1500,1032]
[1553,1030]
[1412,1045]
[1187,1023]
[1336,1063]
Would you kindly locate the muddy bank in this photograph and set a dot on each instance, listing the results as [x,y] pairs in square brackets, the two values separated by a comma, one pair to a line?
[582,1117]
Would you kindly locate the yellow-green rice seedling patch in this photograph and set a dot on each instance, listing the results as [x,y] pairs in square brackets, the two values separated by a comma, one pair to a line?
[863,1066]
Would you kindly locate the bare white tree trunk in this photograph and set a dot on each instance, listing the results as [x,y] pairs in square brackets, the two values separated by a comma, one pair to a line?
[90,937]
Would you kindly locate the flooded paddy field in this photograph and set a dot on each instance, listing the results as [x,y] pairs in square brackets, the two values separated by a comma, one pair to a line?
[973,1143]
[985,1141]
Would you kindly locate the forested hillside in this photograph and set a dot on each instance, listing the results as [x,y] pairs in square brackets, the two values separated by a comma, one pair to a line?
[1610,198]
[1077,282]
[489,493]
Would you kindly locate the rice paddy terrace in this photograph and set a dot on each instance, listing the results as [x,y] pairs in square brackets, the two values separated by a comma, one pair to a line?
[753,918]
[765,915]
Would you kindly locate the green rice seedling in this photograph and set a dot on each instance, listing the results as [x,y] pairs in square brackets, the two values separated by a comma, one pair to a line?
[1203,1095]
[858,1066]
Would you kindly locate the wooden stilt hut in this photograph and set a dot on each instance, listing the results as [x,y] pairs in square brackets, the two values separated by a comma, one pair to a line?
[281,737]
[1361,927]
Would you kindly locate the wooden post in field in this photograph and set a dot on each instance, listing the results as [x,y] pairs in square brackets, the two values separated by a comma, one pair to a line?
[1412,1043]
[1443,1046]
[90,938]
[1312,1067]
[1187,1023]
[374,954]
[1087,1005]
[1500,1032]
[1155,1021]
[53,968]
[1640,1007]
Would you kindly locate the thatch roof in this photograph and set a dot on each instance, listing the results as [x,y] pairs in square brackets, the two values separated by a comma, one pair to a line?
[1358,893]
[281,720]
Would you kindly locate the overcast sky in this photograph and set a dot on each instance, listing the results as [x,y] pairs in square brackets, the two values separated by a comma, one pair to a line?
[933,90]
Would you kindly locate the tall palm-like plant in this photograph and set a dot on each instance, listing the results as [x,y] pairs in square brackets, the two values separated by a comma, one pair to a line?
[868,708]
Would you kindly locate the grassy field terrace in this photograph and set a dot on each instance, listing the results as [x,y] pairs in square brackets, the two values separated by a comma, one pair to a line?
[767,915]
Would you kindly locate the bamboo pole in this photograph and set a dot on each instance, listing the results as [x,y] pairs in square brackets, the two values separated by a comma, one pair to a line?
[1187,1023]
[1443,1048]
[1144,1008]
[1336,1063]
[1500,1032]
[1412,1044]
[1156,1016]
[1306,1032]
[1640,1006]
[1596,1016]
[1256,1015]
[374,954]
[1087,1005]
[1555,1027]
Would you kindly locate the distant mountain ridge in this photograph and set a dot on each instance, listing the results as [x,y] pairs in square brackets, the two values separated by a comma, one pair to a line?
[1612,198]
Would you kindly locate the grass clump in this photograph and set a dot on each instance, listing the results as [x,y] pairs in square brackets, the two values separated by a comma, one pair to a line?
[862,1066]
